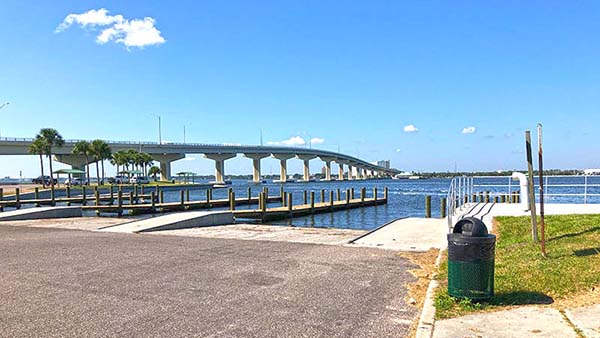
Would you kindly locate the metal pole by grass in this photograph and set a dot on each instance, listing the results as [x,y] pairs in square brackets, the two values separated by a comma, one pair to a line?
[541,177]
[534,233]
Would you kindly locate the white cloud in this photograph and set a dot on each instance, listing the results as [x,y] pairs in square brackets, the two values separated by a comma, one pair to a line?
[131,33]
[468,130]
[317,140]
[410,129]
[189,158]
[292,141]
[398,150]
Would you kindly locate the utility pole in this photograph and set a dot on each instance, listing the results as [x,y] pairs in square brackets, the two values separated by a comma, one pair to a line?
[541,184]
[184,133]
[261,137]
[159,131]
[534,233]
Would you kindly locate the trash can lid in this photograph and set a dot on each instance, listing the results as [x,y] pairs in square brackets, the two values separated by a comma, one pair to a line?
[470,227]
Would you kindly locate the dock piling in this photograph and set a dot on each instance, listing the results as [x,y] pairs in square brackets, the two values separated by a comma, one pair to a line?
[331,200]
[443,207]
[385,193]
[83,196]
[427,206]
[312,201]
[232,200]
[290,202]
[36,194]
[18,198]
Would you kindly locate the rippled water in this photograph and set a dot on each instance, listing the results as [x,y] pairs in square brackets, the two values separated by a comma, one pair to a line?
[406,197]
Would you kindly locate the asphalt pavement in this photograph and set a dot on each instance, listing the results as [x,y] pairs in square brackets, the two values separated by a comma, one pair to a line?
[72,283]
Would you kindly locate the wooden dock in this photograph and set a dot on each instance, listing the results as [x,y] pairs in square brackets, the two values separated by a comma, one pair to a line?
[270,214]
[136,203]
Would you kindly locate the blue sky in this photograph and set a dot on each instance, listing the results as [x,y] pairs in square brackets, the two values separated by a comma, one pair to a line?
[352,73]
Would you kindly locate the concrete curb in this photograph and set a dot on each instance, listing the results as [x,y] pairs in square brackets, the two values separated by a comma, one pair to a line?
[427,319]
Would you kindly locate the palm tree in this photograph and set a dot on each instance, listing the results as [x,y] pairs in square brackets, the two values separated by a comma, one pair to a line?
[148,162]
[101,151]
[51,139]
[120,159]
[83,148]
[154,171]
[38,147]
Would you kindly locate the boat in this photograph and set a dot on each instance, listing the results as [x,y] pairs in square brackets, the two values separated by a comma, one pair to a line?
[414,177]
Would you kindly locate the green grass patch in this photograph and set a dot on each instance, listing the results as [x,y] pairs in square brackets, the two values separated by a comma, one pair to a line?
[523,276]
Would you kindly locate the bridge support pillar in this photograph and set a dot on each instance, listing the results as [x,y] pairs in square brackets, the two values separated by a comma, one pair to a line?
[350,174]
[256,176]
[306,159]
[75,161]
[327,161]
[340,171]
[165,164]
[219,165]
[283,165]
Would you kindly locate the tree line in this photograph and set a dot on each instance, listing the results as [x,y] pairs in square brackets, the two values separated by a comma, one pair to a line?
[94,152]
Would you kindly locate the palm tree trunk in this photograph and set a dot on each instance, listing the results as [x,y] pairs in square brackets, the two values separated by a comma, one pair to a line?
[51,172]
[42,167]
[102,170]
[97,173]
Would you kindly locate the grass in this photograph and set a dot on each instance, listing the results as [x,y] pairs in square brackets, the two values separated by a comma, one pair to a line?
[523,276]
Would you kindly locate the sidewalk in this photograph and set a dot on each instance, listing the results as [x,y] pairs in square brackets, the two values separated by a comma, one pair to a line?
[523,321]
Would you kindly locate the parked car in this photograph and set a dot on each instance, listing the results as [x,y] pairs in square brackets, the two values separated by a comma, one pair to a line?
[121,179]
[76,181]
[43,180]
[139,180]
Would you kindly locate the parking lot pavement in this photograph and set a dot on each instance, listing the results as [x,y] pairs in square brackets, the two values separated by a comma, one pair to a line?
[71,283]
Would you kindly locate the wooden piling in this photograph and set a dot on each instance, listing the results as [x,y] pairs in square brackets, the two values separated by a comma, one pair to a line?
[187,195]
[162,196]
[111,191]
[362,195]
[83,196]
[487,197]
[1,199]
[18,198]
[181,197]
[331,200]
[264,201]
[207,196]
[281,192]
[120,202]
[249,194]
[96,197]
[443,207]
[131,198]
[385,193]
[232,201]
[305,197]
[284,199]
[375,193]
[68,192]
[428,206]
[322,195]
[352,193]
[339,195]
[289,202]
[347,197]
[312,201]
[153,198]
[36,194]
[502,198]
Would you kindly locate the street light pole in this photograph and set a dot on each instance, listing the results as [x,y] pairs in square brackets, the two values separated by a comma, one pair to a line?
[159,131]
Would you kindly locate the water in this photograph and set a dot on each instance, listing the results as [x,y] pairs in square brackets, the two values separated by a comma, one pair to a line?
[406,197]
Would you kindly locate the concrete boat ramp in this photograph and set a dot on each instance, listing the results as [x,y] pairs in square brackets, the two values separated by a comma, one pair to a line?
[180,220]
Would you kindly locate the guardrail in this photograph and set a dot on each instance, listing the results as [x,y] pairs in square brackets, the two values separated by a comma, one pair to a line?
[462,189]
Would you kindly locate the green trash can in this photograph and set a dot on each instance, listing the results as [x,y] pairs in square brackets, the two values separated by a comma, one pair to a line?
[471,252]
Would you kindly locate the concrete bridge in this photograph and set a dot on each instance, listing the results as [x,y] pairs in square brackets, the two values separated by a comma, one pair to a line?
[169,152]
